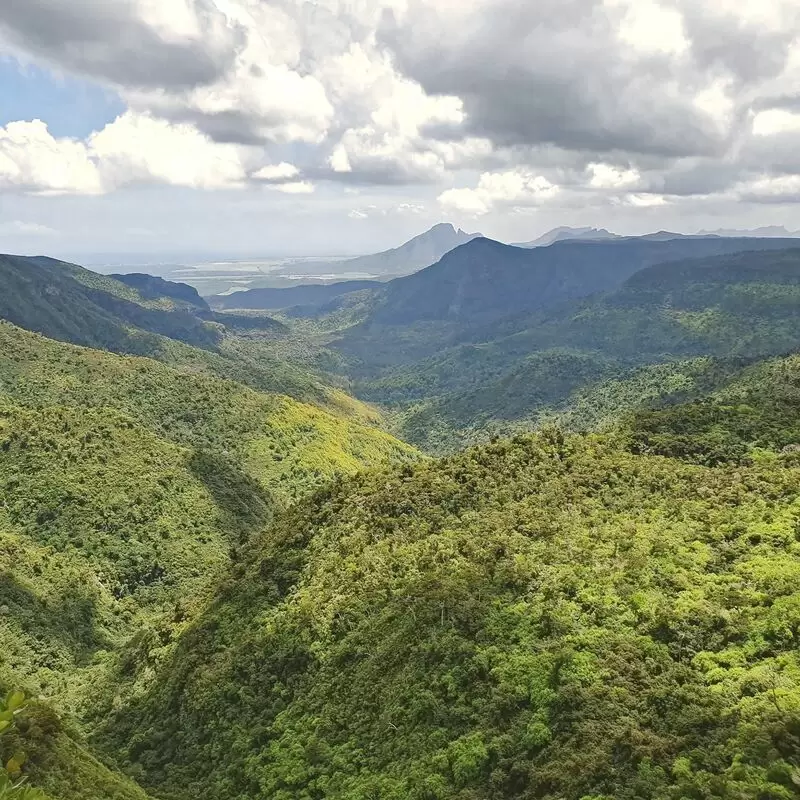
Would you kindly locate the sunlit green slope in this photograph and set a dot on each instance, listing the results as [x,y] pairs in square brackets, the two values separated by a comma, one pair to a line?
[539,618]
[126,486]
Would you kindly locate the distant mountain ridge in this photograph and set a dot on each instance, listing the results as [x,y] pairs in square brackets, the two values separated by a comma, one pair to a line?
[766,231]
[564,233]
[485,279]
[303,295]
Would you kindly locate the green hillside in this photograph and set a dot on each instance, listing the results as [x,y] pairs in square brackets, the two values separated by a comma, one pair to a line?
[67,302]
[522,370]
[146,316]
[127,486]
[546,617]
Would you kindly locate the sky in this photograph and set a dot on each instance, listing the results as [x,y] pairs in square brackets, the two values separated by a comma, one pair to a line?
[236,128]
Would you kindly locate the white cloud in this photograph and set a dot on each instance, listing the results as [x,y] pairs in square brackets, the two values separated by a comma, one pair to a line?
[650,27]
[32,160]
[295,187]
[645,200]
[356,214]
[513,188]
[132,149]
[783,188]
[607,176]
[775,120]
[137,148]
[277,172]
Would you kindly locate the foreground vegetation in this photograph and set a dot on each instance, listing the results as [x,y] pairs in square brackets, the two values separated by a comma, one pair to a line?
[127,489]
[220,579]
[548,617]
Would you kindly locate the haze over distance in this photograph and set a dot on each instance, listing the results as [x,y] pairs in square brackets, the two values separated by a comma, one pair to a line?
[221,277]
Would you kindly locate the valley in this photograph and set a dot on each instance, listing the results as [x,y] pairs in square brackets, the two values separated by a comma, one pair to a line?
[521,524]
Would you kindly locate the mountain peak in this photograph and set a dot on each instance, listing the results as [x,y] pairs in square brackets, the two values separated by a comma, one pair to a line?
[447,229]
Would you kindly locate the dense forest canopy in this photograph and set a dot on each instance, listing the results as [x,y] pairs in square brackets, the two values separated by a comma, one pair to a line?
[221,577]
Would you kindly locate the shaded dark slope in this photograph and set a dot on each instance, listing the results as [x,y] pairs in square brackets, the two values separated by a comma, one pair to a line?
[487,280]
[65,302]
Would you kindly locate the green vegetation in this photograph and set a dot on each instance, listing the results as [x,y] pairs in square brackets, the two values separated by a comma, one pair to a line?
[127,489]
[41,755]
[12,782]
[223,580]
[72,304]
[520,371]
[550,617]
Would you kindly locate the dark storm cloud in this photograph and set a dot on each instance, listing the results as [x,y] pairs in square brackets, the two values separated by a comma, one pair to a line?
[553,72]
[734,46]
[109,41]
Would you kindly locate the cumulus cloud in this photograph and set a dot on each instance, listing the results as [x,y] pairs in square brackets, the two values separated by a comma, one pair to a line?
[140,149]
[626,102]
[134,149]
[511,189]
[608,176]
[276,173]
[31,160]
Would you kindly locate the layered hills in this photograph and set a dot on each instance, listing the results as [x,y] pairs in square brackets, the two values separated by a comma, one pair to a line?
[549,617]
[223,579]
[128,486]
[458,365]
[488,280]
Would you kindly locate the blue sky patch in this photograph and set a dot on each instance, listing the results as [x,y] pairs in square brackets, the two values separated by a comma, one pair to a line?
[70,106]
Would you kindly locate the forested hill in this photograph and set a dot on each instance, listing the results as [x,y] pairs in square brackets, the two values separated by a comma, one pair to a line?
[546,617]
[66,302]
[585,361]
[484,279]
[146,316]
[128,486]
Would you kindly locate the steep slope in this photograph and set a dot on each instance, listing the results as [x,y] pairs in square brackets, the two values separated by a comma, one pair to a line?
[540,618]
[57,763]
[127,486]
[66,302]
[740,306]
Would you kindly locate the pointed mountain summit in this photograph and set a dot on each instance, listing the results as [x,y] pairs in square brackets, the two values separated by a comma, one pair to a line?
[415,254]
